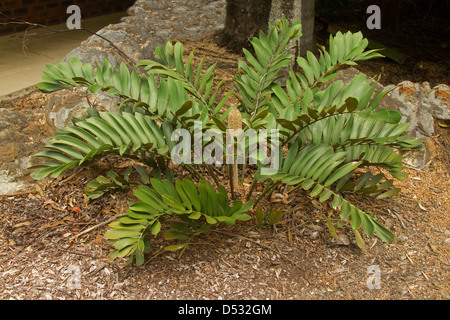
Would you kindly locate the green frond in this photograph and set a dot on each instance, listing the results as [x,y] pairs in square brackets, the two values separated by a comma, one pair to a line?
[344,49]
[256,77]
[317,168]
[110,133]
[129,236]
[183,200]
[160,97]
[99,186]
[195,81]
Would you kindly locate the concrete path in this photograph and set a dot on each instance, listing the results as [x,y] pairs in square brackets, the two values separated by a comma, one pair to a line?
[22,67]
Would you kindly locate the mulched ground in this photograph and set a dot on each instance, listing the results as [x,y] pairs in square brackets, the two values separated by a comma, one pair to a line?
[45,247]
[40,254]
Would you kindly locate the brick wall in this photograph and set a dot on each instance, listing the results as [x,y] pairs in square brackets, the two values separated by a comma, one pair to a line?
[50,12]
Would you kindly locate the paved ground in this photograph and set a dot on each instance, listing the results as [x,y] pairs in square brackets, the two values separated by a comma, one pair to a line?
[22,62]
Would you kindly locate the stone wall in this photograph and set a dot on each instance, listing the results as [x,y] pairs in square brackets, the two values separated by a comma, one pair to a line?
[150,24]
[419,104]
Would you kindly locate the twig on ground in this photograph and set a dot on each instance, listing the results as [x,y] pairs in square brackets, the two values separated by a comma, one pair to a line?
[71,176]
[79,253]
[97,226]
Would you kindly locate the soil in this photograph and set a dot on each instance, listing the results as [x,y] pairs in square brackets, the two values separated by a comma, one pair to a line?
[46,245]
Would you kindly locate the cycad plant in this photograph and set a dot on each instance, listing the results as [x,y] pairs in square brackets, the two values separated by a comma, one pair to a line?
[317,135]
